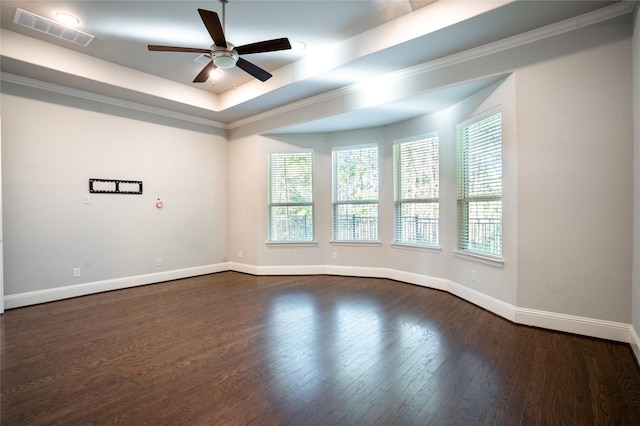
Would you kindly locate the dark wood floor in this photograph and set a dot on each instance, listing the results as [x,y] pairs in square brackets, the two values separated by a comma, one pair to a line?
[230,348]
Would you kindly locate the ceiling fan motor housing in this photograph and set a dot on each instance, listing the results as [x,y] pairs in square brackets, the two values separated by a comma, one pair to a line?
[224,58]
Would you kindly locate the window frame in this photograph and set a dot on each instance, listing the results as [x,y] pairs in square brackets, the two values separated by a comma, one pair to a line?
[271,205]
[399,201]
[336,203]
[464,199]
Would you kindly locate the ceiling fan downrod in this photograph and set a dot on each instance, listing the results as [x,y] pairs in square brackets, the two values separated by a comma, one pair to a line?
[227,57]
[224,13]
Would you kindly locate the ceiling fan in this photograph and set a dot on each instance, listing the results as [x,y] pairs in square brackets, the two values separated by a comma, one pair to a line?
[223,54]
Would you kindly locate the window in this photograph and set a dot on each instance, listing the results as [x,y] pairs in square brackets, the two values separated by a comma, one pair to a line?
[355,193]
[291,196]
[416,190]
[479,177]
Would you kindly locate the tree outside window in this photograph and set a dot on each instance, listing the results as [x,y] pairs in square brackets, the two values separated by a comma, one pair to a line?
[291,197]
[417,188]
[479,178]
[355,193]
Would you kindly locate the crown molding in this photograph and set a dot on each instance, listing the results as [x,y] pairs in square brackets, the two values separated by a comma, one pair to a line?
[606,13]
[108,100]
[609,12]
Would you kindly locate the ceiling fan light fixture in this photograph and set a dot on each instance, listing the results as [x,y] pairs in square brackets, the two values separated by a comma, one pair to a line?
[225,59]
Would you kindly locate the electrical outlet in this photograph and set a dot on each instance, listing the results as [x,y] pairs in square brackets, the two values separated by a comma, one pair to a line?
[239,253]
[334,256]
[473,275]
[158,261]
[76,272]
[86,199]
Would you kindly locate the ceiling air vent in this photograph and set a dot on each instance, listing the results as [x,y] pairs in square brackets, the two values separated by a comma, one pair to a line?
[47,26]
[205,58]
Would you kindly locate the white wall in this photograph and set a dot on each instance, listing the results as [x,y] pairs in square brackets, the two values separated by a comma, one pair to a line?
[51,149]
[636,183]
[575,183]
[243,201]
[568,188]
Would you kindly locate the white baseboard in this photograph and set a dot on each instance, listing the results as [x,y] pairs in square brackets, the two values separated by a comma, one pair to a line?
[417,279]
[65,292]
[242,267]
[591,327]
[555,321]
[634,340]
[292,270]
[491,304]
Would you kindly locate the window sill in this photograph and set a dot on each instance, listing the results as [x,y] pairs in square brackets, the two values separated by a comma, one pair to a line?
[292,244]
[497,262]
[417,247]
[355,243]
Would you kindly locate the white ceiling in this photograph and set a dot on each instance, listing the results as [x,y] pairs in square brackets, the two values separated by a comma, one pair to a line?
[124,28]
[348,43]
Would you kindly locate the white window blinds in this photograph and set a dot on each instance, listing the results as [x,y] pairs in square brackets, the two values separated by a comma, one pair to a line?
[291,196]
[355,193]
[417,188]
[479,181]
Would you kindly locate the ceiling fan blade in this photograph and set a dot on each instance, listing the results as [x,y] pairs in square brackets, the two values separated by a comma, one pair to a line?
[212,22]
[264,46]
[253,69]
[204,74]
[156,48]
